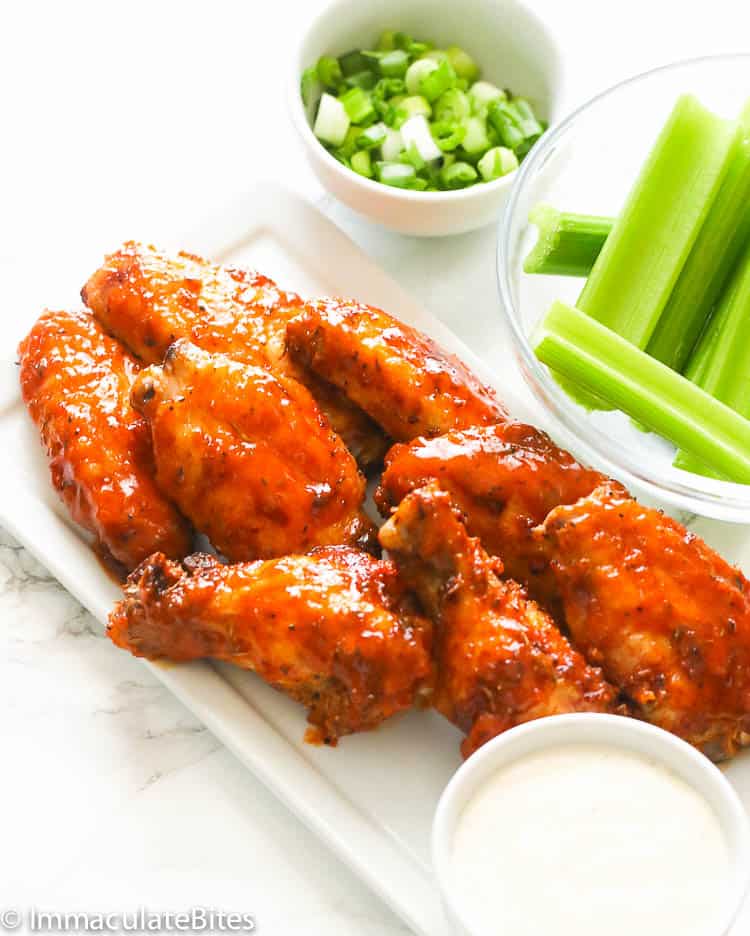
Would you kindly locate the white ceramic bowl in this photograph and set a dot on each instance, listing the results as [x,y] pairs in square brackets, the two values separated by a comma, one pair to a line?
[506,39]
[588,728]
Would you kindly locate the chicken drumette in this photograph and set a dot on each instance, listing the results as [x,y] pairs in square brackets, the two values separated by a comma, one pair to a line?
[76,383]
[249,457]
[505,479]
[399,376]
[149,299]
[500,659]
[334,630]
[666,618]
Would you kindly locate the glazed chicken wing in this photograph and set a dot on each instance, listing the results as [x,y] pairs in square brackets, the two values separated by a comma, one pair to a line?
[249,457]
[333,630]
[505,479]
[666,618]
[399,376]
[148,299]
[76,384]
[500,659]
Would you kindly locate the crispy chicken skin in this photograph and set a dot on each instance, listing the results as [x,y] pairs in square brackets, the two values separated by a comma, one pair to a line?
[399,376]
[500,659]
[666,618]
[76,384]
[505,479]
[333,629]
[148,299]
[249,457]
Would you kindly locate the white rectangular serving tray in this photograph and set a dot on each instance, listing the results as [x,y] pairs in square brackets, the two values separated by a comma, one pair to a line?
[373,797]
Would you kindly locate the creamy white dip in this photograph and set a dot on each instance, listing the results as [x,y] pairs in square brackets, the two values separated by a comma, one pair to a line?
[586,840]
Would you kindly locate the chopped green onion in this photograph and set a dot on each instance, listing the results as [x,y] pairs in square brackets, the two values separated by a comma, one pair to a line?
[362,164]
[458,175]
[506,123]
[410,107]
[436,92]
[482,94]
[332,122]
[371,137]
[719,242]
[329,72]
[448,135]
[453,105]
[402,41]
[415,132]
[353,63]
[311,89]
[358,105]
[392,145]
[568,244]
[396,174]
[382,96]
[437,55]
[350,143]
[387,41]
[595,358]
[527,121]
[393,64]
[364,79]
[437,82]
[411,157]
[643,256]
[416,72]
[463,64]
[476,139]
[720,364]
[496,163]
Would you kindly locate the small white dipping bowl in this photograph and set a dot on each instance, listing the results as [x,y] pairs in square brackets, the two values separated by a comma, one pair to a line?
[510,44]
[589,728]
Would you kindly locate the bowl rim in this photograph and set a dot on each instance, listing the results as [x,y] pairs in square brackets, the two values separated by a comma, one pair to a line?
[656,744]
[725,500]
[476,191]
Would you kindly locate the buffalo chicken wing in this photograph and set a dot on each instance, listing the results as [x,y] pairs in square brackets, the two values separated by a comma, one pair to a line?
[500,659]
[666,618]
[505,479]
[333,630]
[76,383]
[399,376]
[149,299]
[249,457]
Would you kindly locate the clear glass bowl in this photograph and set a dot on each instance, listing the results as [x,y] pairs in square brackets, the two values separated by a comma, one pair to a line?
[587,164]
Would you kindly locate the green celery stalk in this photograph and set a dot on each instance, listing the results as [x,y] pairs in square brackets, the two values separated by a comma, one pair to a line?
[720,364]
[568,244]
[640,262]
[714,254]
[592,356]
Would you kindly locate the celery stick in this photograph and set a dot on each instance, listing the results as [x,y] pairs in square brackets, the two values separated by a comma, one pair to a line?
[720,364]
[568,244]
[592,356]
[638,266]
[713,256]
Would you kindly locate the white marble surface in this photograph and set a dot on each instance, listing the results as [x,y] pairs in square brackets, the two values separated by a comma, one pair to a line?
[131,120]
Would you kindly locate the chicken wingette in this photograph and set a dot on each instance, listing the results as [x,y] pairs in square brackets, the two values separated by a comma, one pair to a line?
[500,660]
[401,378]
[334,630]
[147,299]
[505,479]
[666,618]
[76,383]
[249,456]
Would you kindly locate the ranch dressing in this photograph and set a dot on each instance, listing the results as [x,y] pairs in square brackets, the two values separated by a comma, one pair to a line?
[585,840]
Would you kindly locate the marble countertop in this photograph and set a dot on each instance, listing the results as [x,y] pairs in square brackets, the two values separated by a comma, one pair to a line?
[131,123]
